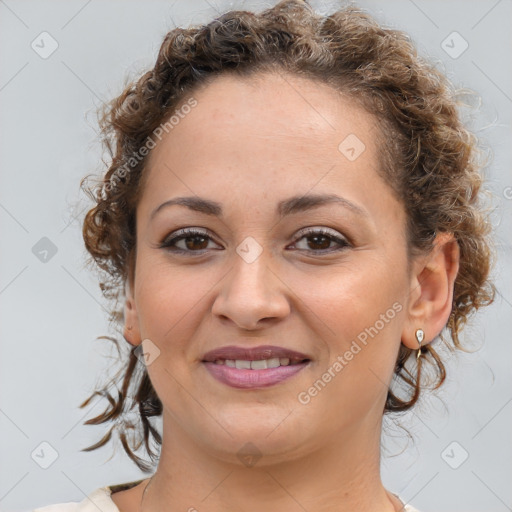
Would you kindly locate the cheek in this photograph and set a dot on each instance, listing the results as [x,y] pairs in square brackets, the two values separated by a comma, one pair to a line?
[171,300]
[363,309]
[352,297]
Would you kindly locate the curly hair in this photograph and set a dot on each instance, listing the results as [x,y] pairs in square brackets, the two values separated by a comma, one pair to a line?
[428,157]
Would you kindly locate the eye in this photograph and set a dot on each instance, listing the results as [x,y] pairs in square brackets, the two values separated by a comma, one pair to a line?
[316,240]
[192,240]
[319,240]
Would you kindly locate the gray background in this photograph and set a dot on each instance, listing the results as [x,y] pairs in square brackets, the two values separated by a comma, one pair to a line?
[52,310]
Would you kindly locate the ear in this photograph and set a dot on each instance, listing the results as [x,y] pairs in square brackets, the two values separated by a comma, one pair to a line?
[131,331]
[431,290]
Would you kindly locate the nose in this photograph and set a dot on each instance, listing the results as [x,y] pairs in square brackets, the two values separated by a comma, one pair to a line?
[251,295]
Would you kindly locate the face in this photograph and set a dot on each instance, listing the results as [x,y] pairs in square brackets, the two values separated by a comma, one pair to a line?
[272,263]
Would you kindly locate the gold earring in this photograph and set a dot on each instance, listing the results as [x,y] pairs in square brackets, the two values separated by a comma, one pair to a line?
[420,335]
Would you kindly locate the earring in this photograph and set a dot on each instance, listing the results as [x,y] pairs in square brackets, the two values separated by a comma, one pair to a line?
[420,335]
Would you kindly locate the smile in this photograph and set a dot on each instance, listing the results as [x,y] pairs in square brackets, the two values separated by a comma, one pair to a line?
[260,364]
[254,374]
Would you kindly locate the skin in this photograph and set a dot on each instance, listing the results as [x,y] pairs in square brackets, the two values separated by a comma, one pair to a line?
[249,144]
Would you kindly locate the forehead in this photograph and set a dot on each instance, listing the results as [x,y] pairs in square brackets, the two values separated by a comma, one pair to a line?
[276,107]
[249,144]
[268,124]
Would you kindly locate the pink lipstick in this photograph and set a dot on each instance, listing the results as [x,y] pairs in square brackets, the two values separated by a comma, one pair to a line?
[263,366]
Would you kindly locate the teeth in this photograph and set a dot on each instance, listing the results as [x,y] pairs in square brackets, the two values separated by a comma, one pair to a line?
[273,363]
[243,365]
[261,364]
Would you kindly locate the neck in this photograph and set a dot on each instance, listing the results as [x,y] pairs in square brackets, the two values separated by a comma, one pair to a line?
[343,476]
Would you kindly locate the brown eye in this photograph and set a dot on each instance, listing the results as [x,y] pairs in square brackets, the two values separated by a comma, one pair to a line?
[187,241]
[320,240]
[196,242]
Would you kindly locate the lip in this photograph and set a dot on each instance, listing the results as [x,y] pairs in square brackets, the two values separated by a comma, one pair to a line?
[248,378]
[253,354]
[251,379]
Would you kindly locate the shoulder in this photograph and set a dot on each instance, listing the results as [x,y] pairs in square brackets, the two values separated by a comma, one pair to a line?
[97,500]
[100,499]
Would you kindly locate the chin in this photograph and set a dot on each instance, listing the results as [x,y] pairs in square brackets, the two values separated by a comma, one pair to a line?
[260,452]
[252,441]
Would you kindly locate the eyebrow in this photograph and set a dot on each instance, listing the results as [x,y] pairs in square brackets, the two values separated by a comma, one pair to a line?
[290,206]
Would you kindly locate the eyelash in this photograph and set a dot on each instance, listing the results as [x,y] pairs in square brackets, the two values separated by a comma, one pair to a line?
[183,234]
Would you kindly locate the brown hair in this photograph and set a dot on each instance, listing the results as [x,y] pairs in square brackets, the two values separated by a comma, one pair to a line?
[429,159]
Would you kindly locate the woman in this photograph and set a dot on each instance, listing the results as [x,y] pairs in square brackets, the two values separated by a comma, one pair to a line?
[290,219]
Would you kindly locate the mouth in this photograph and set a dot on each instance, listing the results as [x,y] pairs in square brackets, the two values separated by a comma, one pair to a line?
[257,367]
[258,364]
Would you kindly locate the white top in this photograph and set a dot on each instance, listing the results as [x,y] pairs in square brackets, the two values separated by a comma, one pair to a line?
[100,500]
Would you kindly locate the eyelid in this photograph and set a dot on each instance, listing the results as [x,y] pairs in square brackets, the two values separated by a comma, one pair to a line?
[323,229]
[334,234]
[186,231]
